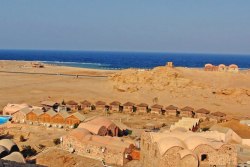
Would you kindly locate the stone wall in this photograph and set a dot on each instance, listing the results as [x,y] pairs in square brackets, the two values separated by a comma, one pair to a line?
[19,117]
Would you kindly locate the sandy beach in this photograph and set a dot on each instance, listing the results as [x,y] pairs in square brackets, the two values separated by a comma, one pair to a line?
[216,91]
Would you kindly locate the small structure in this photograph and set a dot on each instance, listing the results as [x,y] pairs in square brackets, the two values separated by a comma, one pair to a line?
[100,105]
[142,108]
[46,117]
[202,113]
[156,109]
[128,107]
[86,105]
[94,129]
[115,106]
[49,104]
[171,110]
[222,67]
[72,105]
[218,116]
[37,65]
[33,115]
[59,117]
[20,116]
[170,64]
[209,67]
[74,119]
[186,112]
[233,68]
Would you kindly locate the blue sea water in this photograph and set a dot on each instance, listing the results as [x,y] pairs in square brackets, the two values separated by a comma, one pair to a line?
[122,60]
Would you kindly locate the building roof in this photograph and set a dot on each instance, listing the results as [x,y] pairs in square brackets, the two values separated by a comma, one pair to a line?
[79,116]
[187,108]
[101,121]
[38,111]
[128,104]
[222,65]
[142,105]
[100,103]
[218,114]
[26,110]
[85,102]
[13,108]
[15,156]
[95,129]
[115,103]
[64,114]
[49,103]
[79,134]
[7,143]
[219,128]
[157,106]
[3,150]
[171,107]
[208,65]
[233,66]
[167,143]
[193,141]
[51,112]
[203,111]
[71,102]
[185,152]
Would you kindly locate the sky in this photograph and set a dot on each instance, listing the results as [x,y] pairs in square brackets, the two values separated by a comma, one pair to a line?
[193,26]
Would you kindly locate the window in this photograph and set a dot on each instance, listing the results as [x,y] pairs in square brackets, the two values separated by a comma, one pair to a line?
[204,157]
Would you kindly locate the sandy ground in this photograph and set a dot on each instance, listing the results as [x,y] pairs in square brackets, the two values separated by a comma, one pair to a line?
[216,91]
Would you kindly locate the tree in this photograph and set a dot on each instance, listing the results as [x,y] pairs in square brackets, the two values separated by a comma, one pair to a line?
[28,151]
[56,141]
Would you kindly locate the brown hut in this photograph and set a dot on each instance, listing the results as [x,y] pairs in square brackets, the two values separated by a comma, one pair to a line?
[156,109]
[142,108]
[201,113]
[209,67]
[186,112]
[171,110]
[72,105]
[115,106]
[33,116]
[100,105]
[59,118]
[86,105]
[75,118]
[47,116]
[233,68]
[218,116]
[128,107]
[20,116]
[222,67]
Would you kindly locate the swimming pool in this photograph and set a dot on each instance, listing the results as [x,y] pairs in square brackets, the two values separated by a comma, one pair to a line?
[4,119]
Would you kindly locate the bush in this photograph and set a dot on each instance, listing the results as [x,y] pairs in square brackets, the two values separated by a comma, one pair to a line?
[28,151]
[21,138]
[56,141]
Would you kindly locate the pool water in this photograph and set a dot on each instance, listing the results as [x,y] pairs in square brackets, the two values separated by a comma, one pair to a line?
[4,119]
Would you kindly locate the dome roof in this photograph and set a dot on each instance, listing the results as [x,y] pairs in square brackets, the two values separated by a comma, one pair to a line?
[93,128]
[208,65]
[8,144]
[79,134]
[194,141]
[233,66]
[222,65]
[167,143]
[15,156]
[186,152]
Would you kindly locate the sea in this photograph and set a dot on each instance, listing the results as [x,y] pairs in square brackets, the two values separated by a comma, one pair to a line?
[122,60]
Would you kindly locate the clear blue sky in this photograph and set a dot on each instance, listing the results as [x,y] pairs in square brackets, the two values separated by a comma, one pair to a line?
[208,26]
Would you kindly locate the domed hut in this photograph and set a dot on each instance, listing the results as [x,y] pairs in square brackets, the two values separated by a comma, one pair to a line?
[86,105]
[72,105]
[142,108]
[128,107]
[171,110]
[218,116]
[222,67]
[209,67]
[186,112]
[115,106]
[233,68]
[101,106]
[156,109]
[202,113]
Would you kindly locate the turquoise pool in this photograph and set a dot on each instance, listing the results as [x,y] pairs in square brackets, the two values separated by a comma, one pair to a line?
[4,119]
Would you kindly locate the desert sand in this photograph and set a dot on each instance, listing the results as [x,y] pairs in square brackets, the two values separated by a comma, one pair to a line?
[217,91]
